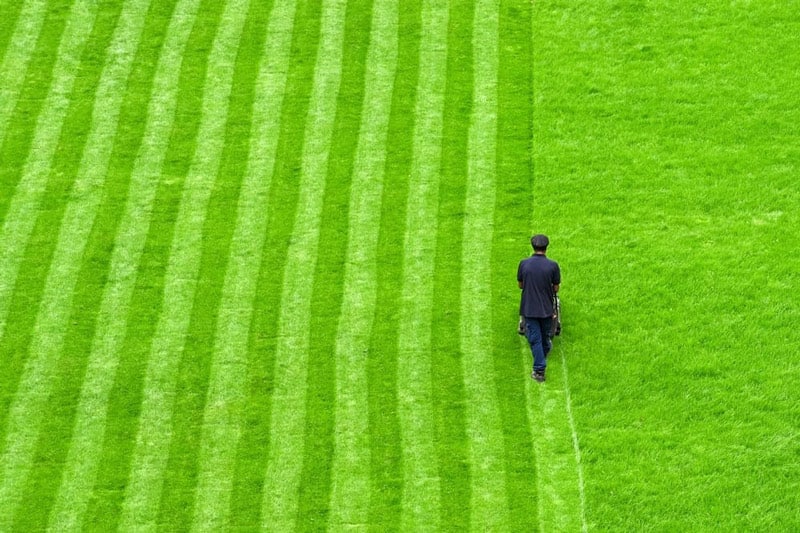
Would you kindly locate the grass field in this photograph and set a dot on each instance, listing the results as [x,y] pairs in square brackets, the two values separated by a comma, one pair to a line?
[257,264]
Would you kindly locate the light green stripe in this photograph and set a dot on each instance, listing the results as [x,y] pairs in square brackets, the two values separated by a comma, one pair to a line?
[420,469]
[536,421]
[284,465]
[489,506]
[559,476]
[227,390]
[143,492]
[18,55]
[29,405]
[578,465]
[241,277]
[81,466]
[351,460]
[21,215]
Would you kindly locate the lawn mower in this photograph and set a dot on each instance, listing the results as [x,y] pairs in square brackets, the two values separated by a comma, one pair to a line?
[555,328]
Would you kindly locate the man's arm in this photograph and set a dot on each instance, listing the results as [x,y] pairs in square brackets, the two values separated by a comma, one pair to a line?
[556,279]
[521,284]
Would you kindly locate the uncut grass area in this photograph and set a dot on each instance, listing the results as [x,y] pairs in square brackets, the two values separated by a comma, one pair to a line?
[666,149]
[257,265]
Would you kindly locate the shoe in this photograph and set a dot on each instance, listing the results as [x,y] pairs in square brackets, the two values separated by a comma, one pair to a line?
[538,376]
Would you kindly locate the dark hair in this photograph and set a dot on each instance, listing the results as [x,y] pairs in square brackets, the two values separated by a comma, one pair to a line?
[540,242]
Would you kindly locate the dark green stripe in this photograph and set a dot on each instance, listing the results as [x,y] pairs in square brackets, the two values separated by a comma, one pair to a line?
[126,394]
[386,454]
[509,245]
[446,369]
[53,443]
[16,141]
[9,14]
[252,452]
[177,500]
[37,258]
[315,480]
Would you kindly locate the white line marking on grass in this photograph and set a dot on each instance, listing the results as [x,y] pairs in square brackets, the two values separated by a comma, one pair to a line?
[575,443]
[536,423]
[421,483]
[351,460]
[151,451]
[80,470]
[559,474]
[489,505]
[22,211]
[17,57]
[29,405]
[222,422]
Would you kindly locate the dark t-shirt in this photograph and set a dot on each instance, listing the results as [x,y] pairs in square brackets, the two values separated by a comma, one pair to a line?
[538,275]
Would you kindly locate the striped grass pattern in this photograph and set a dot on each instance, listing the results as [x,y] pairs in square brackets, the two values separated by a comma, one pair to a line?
[256,269]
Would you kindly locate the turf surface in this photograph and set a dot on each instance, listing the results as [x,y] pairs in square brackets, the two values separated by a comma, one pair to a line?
[257,264]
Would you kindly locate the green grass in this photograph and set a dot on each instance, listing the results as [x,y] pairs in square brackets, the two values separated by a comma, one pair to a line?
[128,397]
[257,265]
[663,160]
[446,369]
[331,218]
[54,440]
[30,173]
[181,475]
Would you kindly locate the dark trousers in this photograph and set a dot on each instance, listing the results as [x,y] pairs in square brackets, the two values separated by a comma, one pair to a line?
[537,331]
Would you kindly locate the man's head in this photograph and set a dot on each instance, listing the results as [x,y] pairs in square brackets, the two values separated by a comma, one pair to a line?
[540,243]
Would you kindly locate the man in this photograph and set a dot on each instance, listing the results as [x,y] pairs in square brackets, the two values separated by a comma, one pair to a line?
[539,278]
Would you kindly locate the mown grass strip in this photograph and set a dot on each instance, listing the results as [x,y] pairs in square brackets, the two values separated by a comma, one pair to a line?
[578,466]
[241,291]
[29,406]
[280,489]
[488,502]
[301,258]
[16,54]
[150,455]
[27,103]
[222,422]
[421,495]
[55,436]
[8,24]
[38,251]
[146,304]
[561,499]
[85,449]
[252,454]
[559,484]
[26,199]
[328,278]
[58,191]
[177,504]
[386,468]
[350,496]
[447,380]
[509,245]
